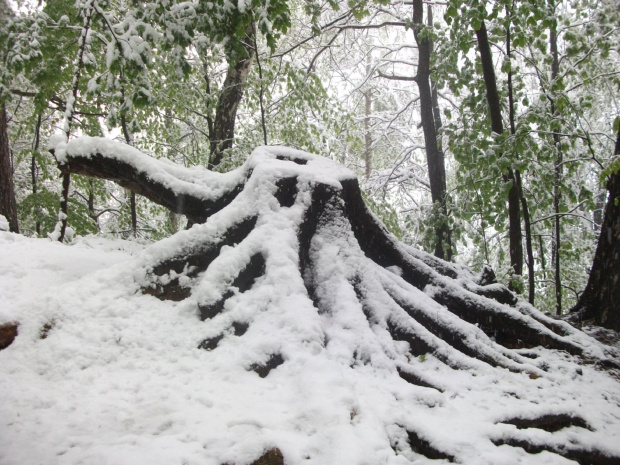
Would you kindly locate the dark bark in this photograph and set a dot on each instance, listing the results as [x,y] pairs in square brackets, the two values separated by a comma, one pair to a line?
[367,135]
[91,202]
[529,250]
[69,115]
[497,126]
[132,195]
[518,180]
[328,204]
[64,204]
[229,100]
[8,204]
[128,176]
[557,176]
[33,165]
[8,333]
[434,154]
[600,300]
[261,93]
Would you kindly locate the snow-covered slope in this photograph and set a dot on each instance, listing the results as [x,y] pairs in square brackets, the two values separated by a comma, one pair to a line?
[103,373]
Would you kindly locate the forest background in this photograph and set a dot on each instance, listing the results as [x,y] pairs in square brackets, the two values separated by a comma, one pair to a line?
[482,132]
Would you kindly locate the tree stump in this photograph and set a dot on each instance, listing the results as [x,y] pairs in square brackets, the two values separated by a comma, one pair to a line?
[288,222]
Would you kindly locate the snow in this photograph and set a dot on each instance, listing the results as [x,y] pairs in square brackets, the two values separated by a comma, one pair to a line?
[119,378]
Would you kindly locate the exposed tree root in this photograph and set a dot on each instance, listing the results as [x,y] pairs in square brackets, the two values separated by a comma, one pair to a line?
[263,369]
[422,446]
[550,422]
[8,333]
[569,451]
[270,457]
[244,281]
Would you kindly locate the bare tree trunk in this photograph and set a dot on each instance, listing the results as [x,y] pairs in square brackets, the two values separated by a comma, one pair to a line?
[132,195]
[367,136]
[367,111]
[8,204]
[524,206]
[91,202]
[33,165]
[69,114]
[557,176]
[601,297]
[434,154]
[228,102]
[543,263]
[514,212]
[261,94]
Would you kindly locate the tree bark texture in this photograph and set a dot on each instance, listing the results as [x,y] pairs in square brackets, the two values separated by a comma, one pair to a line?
[229,100]
[600,300]
[434,154]
[327,204]
[514,212]
[8,204]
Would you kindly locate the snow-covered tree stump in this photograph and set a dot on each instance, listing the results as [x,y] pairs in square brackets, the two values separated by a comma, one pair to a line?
[296,280]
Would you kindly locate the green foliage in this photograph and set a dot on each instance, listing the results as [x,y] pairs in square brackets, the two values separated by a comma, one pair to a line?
[386,213]
[41,208]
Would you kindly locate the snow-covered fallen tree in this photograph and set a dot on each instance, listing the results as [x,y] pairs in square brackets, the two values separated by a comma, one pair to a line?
[288,326]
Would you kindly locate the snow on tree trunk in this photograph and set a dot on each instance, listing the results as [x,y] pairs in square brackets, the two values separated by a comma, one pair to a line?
[291,273]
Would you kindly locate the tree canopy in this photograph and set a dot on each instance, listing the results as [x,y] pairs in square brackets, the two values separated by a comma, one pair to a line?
[203,83]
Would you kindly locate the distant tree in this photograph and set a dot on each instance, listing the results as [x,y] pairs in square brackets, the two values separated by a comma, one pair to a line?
[8,205]
[497,126]
[429,115]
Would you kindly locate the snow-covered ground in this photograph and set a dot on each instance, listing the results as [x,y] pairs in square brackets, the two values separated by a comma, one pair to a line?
[102,373]
[119,380]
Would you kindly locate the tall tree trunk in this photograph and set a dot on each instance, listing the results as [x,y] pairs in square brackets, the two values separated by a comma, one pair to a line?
[367,136]
[261,93]
[557,173]
[514,212]
[434,154]
[132,195]
[524,206]
[8,204]
[367,110]
[228,101]
[543,263]
[601,298]
[91,202]
[69,114]
[33,165]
